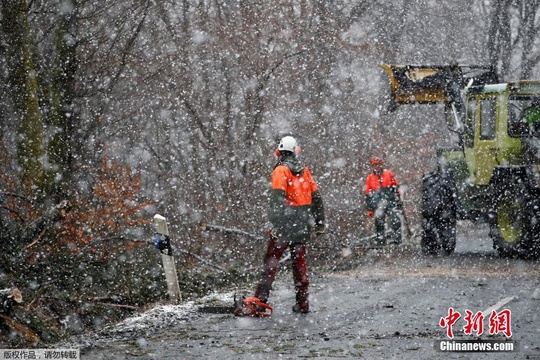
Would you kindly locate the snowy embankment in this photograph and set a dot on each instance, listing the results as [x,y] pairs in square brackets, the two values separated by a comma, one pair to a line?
[159,317]
[163,316]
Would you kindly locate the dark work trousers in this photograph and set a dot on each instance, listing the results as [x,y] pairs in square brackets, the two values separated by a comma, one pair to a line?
[389,209]
[275,250]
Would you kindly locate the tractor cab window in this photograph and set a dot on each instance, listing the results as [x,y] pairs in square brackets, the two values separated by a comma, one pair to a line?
[487,122]
[524,116]
[468,135]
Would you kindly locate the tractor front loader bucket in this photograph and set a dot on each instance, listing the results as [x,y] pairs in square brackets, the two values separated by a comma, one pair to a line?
[432,84]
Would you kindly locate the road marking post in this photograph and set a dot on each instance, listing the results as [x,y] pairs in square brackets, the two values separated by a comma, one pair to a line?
[162,242]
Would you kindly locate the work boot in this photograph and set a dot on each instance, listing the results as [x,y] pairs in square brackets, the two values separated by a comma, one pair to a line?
[302,308]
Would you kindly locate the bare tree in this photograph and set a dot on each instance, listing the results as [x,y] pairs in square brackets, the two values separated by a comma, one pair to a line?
[23,88]
[512,38]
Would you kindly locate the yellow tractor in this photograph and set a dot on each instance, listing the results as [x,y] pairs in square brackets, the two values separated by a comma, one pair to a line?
[492,173]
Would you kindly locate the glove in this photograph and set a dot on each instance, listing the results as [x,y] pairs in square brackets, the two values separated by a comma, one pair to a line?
[370,213]
[157,241]
[320,229]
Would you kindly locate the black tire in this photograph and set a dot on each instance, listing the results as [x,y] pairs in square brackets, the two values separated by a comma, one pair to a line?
[533,243]
[439,215]
[447,229]
[511,227]
[429,237]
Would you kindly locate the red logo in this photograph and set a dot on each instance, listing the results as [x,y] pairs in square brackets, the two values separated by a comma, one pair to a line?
[474,323]
[448,321]
[499,322]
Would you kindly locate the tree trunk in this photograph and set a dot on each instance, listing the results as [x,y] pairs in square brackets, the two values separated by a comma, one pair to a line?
[64,116]
[24,89]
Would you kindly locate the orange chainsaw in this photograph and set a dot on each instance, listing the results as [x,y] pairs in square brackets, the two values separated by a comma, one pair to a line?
[251,306]
[243,306]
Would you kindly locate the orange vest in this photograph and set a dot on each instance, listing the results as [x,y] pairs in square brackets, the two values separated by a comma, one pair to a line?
[298,188]
[375,182]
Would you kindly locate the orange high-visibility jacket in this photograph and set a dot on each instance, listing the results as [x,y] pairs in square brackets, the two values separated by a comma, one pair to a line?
[375,182]
[298,188]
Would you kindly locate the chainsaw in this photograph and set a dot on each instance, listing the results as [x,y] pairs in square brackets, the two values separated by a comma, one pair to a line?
[251,306]
[242,306]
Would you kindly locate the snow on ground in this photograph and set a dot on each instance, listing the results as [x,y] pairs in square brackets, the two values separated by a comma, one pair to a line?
[162,316]
[159,317]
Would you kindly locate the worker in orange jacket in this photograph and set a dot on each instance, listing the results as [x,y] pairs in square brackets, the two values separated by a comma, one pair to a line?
[382,199]
[296,206]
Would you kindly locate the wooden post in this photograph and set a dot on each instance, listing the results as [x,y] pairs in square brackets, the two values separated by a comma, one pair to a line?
[162,240]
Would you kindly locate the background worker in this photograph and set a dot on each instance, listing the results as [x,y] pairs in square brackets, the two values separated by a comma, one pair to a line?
[382,199]
[294,202]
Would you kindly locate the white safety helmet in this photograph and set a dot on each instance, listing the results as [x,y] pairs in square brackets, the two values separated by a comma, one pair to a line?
[288,143]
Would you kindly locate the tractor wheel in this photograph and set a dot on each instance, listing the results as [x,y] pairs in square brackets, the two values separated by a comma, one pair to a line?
[533,245]
[511,223]
[447,230]
[438,215]
[429,237]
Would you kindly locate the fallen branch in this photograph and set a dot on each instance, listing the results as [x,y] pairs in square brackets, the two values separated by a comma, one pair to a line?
[222,229]
[175,249]
[21,329]
[365,241]
[27,199]
[116,299]
[131,307]
[12,211]
[201,259]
